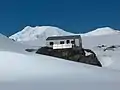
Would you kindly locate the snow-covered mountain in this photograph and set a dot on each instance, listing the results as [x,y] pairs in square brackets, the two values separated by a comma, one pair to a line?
[102,31]
[10,45]
[33,33]
[36,36]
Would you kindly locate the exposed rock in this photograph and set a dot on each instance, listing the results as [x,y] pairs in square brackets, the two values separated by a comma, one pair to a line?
[73,54]
[101,46]
[113,47]
[30,50]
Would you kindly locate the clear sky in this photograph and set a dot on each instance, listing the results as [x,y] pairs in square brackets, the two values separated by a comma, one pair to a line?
[70,15]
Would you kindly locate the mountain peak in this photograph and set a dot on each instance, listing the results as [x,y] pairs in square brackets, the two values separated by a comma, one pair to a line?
[105,28]
[102,31]
[33,33]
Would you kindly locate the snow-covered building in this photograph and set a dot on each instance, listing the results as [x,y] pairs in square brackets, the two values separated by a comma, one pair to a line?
[62,42]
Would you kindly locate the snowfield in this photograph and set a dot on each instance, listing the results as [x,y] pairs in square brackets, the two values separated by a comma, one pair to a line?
[36,72]
[109,58]
[21,70]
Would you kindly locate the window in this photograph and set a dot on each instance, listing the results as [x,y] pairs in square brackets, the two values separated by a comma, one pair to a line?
[68,41]
[61,42]
[51,43]
[73,42]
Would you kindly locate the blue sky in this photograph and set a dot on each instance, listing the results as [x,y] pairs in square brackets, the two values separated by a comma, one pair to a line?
[70,15]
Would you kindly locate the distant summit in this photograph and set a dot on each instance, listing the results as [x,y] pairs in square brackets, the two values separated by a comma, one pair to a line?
[36,36]
[33,33]
[102,31]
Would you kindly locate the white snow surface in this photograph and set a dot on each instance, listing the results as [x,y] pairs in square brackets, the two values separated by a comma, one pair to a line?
[29,71]
[110,58]
[39,72]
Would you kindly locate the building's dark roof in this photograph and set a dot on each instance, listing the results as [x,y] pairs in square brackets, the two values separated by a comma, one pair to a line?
[63,37]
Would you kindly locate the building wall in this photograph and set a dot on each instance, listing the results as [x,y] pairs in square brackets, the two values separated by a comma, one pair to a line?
[77,42]
[55,42]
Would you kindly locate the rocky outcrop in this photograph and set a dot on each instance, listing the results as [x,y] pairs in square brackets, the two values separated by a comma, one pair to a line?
[112,47]
[73,54]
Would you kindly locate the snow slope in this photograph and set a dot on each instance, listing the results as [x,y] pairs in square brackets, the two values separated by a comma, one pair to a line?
[7,44]
[110,58]
[39,72]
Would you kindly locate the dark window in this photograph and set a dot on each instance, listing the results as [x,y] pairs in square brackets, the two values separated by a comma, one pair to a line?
[73,42]
[51,43]
[61,42]
[68,41]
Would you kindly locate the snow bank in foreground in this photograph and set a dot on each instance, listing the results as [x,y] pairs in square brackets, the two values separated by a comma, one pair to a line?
[14,66]
[39,72]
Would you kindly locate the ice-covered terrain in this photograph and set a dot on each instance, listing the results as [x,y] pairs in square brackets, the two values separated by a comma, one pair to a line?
[29,71]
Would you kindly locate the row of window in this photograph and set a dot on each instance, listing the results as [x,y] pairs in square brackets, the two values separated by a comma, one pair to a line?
[63,42]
